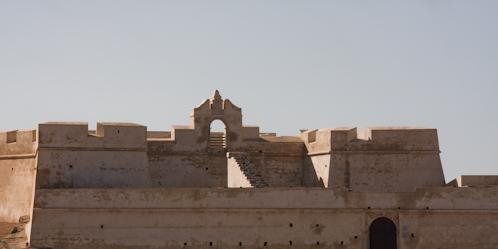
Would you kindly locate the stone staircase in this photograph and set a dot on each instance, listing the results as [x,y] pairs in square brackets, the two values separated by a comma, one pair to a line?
[248,168]
[13,235]
[217,142]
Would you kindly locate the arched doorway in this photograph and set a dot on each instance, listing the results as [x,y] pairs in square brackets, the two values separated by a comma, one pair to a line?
[217,136]
[382,234]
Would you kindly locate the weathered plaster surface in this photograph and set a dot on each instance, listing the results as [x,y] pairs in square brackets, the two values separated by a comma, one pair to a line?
[163,218]
[17,185]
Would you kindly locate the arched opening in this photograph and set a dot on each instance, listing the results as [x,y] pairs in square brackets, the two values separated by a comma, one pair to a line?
[382,234]
[217,136]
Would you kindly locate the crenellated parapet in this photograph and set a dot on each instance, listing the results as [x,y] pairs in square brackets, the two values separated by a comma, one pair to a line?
[126,136]
[375,159]
[373,139]
[17,142]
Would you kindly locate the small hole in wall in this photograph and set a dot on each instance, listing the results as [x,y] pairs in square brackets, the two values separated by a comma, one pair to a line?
[427,208]
[12,169]
[117,131]
[240,243]
[318,243]
[185,243]
[317,225]
[101,226]
[260,151]
[412,235]
[210,243]
[206,168]
[265,244]
[368,207]
[70,166]
[290,242]
[342,243]
[291,225]
[326,165]
[355,237]
[399,207]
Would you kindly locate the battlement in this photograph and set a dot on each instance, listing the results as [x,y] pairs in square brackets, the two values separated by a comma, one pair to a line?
[18,142]
[392,139]
[107,135]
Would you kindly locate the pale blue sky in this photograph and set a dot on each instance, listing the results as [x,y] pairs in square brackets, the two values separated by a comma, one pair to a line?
[288,64]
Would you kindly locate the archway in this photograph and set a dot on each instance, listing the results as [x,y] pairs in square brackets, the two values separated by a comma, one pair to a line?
[217,136]
[382,234]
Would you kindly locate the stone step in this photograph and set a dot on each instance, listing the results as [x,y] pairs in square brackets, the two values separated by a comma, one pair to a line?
[248,170]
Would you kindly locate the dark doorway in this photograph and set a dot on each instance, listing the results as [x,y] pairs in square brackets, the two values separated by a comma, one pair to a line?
[382,234]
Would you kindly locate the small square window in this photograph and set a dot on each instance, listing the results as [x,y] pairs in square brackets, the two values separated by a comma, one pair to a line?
[312,136]
[11,136]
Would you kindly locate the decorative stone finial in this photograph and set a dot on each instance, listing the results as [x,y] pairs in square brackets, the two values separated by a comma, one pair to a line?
[216,94]
[217,101]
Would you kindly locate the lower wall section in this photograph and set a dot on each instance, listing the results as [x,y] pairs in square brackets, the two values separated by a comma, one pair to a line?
[175,228]
[449,229]
[258,228]
[456,218]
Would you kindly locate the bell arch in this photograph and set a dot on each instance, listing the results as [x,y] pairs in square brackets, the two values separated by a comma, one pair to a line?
[382,234]
[217,108]
[217,136]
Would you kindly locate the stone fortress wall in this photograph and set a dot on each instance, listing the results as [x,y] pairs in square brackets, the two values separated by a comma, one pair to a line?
[377,159]
[448,217]
[122,186]
[127,155]
[17,184]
